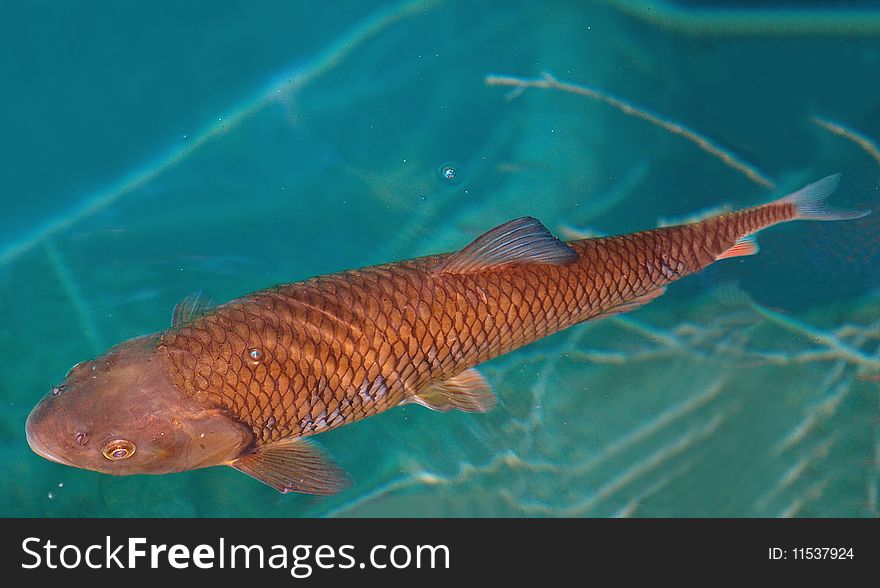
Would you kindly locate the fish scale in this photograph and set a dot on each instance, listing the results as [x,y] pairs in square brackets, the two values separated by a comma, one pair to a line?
[339,348]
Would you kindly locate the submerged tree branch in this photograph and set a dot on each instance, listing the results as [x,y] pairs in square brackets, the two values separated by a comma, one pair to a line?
[703,143]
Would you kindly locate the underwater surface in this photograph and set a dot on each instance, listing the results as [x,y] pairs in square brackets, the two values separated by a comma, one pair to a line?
[153,150]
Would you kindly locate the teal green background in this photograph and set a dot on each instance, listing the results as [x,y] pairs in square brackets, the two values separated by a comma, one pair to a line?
[155,149]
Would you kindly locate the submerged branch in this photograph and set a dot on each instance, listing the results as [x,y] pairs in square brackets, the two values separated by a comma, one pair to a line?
[867,144]
[703,143]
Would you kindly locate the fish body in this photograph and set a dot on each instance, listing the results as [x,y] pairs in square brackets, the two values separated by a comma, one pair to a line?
[244,383]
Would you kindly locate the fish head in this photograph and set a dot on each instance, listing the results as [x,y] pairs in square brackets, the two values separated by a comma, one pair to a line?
[122,414]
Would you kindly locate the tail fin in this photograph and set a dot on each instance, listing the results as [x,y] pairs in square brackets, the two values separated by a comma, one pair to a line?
[809,202]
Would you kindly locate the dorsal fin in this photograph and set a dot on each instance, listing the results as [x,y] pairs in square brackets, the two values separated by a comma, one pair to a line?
[191,307]
[523,240]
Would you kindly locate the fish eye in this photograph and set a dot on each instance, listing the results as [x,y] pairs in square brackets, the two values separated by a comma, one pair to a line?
[118,449]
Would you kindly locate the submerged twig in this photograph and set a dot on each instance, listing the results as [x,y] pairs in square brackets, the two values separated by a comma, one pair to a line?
[705,144]
[867,144]
[830,346]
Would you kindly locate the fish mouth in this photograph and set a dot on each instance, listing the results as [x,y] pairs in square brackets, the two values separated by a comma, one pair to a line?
[38,446]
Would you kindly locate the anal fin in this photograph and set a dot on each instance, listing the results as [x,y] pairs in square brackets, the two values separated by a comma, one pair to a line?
[467,391]
[293,465]
[747,245]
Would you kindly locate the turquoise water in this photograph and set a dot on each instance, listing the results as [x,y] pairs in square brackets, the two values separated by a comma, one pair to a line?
[155,150]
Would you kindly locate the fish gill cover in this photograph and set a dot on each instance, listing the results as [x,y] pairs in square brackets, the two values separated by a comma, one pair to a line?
[157,151]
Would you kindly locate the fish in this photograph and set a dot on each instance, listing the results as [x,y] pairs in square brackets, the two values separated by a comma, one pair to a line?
[247,383]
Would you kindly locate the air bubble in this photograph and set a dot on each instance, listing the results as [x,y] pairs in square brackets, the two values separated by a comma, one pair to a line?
[449,173]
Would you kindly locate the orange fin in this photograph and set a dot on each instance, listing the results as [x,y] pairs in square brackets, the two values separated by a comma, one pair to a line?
[467,391]
[747,245]
[523,240]
[293,465]
[190,308]
[633,304]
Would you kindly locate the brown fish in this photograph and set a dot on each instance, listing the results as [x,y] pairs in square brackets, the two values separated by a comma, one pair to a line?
[244,383]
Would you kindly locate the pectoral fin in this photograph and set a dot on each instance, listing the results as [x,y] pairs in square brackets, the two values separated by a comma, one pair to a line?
[467,391]
[293,465]
[747,245]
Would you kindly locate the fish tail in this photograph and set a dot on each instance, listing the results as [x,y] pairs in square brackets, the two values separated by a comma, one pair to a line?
[809,202]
